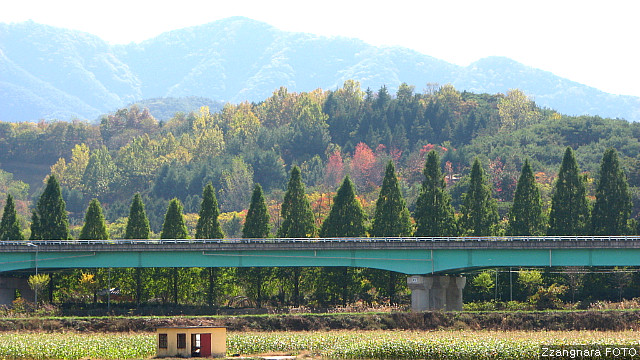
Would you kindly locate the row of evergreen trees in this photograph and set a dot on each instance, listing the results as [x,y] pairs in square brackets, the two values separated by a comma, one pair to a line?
[570,215]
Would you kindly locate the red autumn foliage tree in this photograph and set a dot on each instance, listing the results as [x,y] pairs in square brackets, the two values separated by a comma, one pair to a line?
[362,165]
[334,170]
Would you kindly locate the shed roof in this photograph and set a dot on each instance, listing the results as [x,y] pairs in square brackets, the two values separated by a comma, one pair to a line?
[191,327]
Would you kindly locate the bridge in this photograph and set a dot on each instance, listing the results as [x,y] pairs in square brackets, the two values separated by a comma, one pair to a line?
[434,264]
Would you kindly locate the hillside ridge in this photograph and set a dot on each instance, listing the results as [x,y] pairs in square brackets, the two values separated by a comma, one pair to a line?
[55,73]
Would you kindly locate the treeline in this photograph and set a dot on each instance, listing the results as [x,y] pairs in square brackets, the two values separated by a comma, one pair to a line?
[453,153]
[571,214]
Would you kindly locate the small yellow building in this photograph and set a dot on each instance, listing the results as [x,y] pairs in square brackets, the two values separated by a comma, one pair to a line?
[192,341]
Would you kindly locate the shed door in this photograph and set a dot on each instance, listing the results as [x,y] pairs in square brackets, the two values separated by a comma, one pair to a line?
[205,345]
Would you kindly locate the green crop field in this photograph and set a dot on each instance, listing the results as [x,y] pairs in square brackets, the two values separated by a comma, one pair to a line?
[472,345]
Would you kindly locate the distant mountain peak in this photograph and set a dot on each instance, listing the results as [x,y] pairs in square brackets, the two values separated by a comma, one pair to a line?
[49,72]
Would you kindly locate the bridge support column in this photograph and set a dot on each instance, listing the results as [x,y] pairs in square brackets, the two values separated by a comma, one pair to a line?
[436,292]
[420,288]
[8,287]
[454,293]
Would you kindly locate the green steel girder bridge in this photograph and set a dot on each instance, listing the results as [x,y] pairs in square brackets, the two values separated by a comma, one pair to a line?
[404,255]
[431,261]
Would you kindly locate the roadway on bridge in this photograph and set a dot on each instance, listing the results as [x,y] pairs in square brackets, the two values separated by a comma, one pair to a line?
[404,255]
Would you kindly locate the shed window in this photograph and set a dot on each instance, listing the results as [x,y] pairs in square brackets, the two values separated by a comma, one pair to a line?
[162,341]
[182,341]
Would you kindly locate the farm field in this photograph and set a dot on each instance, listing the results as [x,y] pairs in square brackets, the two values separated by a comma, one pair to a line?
[345,344]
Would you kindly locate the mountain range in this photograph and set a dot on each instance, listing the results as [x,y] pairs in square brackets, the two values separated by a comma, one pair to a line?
[53,73]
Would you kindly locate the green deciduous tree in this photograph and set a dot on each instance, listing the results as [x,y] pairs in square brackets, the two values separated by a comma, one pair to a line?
[10,225]
[392,216]
[484,283]
[569,205]
[298,219]
[256,224]
[173,226]
[100,173]
[236,185]
[526,216]
[346,218]
[94,227]
[137,223]
[479,210]
[530,280]
[434,213]
[517,111]
[49,220]
[208,226]
[613,201]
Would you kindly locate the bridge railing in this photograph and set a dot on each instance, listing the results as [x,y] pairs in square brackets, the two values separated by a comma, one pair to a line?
[36,243]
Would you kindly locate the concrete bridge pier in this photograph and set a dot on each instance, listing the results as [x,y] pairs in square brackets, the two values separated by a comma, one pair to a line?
[429,292]
[8,287]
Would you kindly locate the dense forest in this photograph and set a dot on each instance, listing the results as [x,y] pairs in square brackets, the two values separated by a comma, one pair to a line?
[327,151]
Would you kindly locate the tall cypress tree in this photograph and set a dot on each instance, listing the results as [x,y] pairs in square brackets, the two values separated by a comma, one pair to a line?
[525,215]
[208,226]
[137,223]
[391,219]
[173,226]
[49,221]
[137,228]
[94,227]
[392,216]
[256,224]
[346,217]
[479,209]
[613,201]
[10,225]
[434,213]
[569,205]
[298,219]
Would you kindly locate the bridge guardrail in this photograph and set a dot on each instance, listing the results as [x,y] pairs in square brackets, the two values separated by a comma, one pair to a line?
[37,243]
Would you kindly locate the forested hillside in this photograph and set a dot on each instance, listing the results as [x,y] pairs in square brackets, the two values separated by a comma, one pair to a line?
[328,134]
[52,73]
[497,152]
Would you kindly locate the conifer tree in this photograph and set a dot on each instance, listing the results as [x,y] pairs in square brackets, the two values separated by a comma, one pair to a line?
[525,216]
[346,218]
[94,227]
[479,209]
[173,226]
[613,201]
[208,226]
[137,223]
[298,219]
[256,224]
[392,216]
[137,228]
[569,205]
[49,220]
[434,213]
[10,225]
[35,225]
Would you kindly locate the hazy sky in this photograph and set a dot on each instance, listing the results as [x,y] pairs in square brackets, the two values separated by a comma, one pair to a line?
[594,43]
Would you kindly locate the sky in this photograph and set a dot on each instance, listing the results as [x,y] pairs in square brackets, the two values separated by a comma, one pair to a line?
[590,42]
